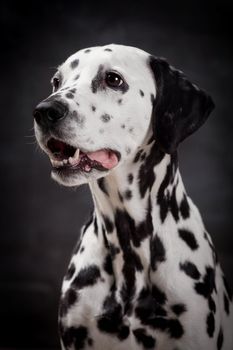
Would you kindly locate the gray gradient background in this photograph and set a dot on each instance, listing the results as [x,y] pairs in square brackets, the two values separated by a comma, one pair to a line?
[40,221]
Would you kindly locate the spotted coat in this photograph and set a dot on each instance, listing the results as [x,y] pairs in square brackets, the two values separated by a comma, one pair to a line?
[145,273]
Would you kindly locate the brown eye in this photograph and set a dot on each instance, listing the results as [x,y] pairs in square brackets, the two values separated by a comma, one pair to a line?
[55,83]
[113,80]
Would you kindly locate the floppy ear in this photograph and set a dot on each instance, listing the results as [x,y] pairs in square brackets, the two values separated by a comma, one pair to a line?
[179,108]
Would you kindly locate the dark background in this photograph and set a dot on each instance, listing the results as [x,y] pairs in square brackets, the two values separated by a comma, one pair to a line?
[40,221]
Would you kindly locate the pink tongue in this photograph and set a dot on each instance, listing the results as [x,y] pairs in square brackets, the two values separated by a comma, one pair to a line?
[107,159]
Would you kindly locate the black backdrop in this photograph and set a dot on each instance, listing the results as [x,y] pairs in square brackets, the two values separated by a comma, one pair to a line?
[40,221]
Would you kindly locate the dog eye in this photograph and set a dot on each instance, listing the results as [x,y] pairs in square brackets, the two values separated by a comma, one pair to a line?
[113,80]
[55,83]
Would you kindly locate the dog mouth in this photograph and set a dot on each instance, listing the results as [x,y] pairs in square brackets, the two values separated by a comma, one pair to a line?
[66,157]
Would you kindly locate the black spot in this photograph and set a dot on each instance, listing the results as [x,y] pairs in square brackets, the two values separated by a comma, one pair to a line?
[87,51]
[190,269]
[175,328]
[75,336]
[74,114]
[123,126]
[210,324]
[184,207]
[105,118]
[87,276]
[127,230]
[124,332]
[82,250]
[173,205]
[138,155]
[107,49]
[119,101]
[77,77]
[70,272]
[220,339]
[163,198]
[137,261]
[228,290]
[105,237]
[130,178]
[74,64]
[95,226]
[112,321]
[143,156]
[189,238]
[211,303]
[108,264]
[206,287]
[226,304]
[102,185]
[157,252]
[158,295]
[146,173]
[142,338]
[113,250]
[69,95]
[120,196]
[172,326]
[148,307]
[108,224]
[97,82]
[131,130]
[73,90]
[93,108]
[128,194]
[90,341]
[141,93]
[68,300]
[178,309]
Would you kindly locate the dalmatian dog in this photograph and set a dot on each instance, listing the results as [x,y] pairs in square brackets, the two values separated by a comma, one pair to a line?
[144,274]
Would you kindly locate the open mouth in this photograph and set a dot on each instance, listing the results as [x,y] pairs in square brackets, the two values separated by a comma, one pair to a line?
[67,157]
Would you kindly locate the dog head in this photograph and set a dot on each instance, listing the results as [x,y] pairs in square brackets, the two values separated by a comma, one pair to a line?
[106,102]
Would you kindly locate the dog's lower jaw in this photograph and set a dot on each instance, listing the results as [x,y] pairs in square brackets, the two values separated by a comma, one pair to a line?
[77,179]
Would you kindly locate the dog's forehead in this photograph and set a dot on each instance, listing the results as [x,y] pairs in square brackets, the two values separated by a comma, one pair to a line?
[126,58]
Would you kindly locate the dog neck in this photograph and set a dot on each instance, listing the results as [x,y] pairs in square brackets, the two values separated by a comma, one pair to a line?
[131,204]
[149,180]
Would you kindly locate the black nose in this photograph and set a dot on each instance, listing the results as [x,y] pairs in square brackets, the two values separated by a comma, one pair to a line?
[47,113]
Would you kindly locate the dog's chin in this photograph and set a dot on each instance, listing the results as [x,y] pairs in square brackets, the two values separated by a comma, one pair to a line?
[74,179]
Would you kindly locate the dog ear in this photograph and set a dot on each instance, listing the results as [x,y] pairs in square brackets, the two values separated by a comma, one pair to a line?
[179,108]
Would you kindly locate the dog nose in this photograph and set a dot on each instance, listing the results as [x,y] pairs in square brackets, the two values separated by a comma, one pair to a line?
[49,112]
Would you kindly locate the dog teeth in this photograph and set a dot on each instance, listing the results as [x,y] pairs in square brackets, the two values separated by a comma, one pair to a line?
[58,163]
[76,155]
[75,159]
